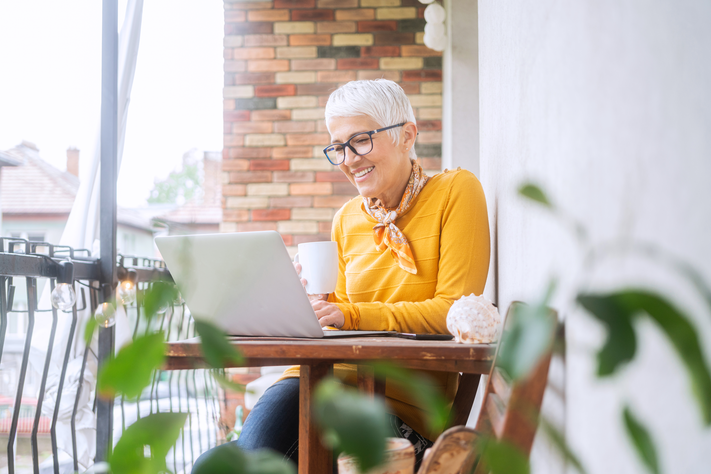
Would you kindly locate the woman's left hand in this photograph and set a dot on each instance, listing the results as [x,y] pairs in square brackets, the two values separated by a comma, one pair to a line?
[328,314]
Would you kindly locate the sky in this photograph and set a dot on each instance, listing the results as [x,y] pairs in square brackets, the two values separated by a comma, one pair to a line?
[50,83]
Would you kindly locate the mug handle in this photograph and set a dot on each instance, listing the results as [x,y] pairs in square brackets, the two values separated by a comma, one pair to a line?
[296,258]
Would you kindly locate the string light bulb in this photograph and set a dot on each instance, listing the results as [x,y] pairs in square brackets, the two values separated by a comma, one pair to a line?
[105,315]
[63,295]
[126,292]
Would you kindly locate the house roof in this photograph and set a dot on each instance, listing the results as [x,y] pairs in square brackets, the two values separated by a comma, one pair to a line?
[34,186]
[8,160]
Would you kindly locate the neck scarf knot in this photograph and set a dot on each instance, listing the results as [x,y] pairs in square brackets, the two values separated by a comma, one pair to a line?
[385,233]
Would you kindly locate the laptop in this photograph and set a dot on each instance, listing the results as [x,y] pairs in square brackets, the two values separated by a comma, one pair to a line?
[245,284]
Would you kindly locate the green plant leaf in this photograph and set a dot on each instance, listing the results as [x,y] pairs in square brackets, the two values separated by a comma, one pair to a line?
[558,440]
[229,459]
[132,368]
[621,343]
[352,422]
[91,325]
[227,384]
[422,388]
[216,348]
[641,440]
[528,337]
[158,296]
[158,432]
[534,193]
[501,457]
[676,326]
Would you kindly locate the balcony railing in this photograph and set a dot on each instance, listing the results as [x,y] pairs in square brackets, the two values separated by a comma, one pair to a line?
[48,402]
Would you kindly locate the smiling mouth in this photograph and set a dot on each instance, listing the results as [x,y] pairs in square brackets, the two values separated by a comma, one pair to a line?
[362,173]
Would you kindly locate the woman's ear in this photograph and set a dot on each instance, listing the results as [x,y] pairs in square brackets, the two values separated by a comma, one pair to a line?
[409,132]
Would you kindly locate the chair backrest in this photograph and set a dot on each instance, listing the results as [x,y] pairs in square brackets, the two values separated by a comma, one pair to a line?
[509,410]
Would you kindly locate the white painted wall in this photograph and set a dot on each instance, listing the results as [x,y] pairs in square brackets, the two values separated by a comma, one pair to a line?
[607,104]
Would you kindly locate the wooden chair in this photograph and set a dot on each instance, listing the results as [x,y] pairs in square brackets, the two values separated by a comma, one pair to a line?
[509,412]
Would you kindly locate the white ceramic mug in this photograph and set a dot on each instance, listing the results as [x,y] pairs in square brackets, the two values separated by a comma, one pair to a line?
[319,266]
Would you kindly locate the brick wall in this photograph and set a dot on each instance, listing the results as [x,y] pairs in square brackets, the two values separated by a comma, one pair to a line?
[282,60]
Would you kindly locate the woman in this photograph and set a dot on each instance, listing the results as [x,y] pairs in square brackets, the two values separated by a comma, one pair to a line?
[408,247]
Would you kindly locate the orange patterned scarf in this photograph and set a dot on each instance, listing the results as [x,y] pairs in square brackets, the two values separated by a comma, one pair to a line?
[386,233]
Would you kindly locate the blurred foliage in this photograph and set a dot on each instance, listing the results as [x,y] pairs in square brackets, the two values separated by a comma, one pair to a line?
[229,459]
[352,422]
[642,441]
[501,457]
[216,347]
[535,193]
[527,337]
[558,440]
[158,297]
[178,187]
[422,388]
[132,369]
[145,444]
[91,325]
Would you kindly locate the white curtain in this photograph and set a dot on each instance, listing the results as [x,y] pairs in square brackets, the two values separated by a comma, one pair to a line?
[82,231]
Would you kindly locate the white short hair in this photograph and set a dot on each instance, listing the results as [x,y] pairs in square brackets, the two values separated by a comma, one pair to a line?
[382,100]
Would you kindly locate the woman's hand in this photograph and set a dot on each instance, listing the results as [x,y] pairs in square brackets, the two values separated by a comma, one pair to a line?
[328,314]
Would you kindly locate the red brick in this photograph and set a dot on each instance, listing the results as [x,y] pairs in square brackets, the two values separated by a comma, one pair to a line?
[336,27]
[234,189]
[411,87]
[294,3]
[422,75]
[291,201]
[325,227]
[295,127]
[331,176]
[234,65]
[310,40]
[288,241]
[322,101]
[313,64]
[371,26]
[315,89]
[271,214]
[393,38]
[251,177]
[264,40]
[235,165]
[321,126]
[269,165]
[292,152]
[252,127]
[235,215]
[226,127]
[323,189]
[421,12]
[253,53]
[369,75]
[253,78]
[250,152]
[312,15]
[427,125]
[268,15]
[305,239]
[236,115]
[296,139]
[331,201]
[247,5]
[271,114]
[293,176]
[344,188]
[230,140]
[379,51]
[356,14]
[358,63]
[336,76]
[418,50]
[431,163]
[256,226]
[234,16]
[275,90]
[267,65]
[248,28]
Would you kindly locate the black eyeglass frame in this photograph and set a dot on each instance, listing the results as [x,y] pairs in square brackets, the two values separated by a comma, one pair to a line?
[348,143]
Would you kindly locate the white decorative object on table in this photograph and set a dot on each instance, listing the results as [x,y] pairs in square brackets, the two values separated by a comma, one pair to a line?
[435,33]
[474,320]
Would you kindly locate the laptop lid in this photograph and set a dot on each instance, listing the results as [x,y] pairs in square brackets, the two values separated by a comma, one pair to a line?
[243,283]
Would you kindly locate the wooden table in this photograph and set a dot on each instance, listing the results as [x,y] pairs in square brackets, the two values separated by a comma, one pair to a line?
[317,357]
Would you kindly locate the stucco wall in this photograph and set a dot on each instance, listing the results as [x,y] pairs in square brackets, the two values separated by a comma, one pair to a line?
[606,104]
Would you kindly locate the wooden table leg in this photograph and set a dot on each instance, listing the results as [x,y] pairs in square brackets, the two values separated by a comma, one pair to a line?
[368,383]
[314,458]
[462,405]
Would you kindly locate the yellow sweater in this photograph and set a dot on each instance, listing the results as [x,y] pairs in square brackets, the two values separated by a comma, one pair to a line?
[448,231]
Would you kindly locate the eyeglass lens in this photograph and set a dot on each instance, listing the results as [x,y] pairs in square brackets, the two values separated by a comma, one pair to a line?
[361,143]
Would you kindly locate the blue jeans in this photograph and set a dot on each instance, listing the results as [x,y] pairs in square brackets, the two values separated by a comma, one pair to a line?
[274,424]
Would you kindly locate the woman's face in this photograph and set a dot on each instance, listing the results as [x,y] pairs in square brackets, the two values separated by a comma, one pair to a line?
[384,172]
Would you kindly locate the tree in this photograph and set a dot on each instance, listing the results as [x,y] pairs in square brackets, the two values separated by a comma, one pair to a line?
[178,187]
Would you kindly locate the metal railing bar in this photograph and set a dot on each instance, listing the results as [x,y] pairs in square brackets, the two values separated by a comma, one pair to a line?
[93,298]
[31,289]
[43,384]
[60,386]
[42,266]
[3,312]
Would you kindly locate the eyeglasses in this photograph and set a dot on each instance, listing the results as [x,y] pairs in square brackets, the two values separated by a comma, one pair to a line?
[360,144]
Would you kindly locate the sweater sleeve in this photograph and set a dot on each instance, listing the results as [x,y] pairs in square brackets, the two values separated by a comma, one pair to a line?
[463,267]
[340,297]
